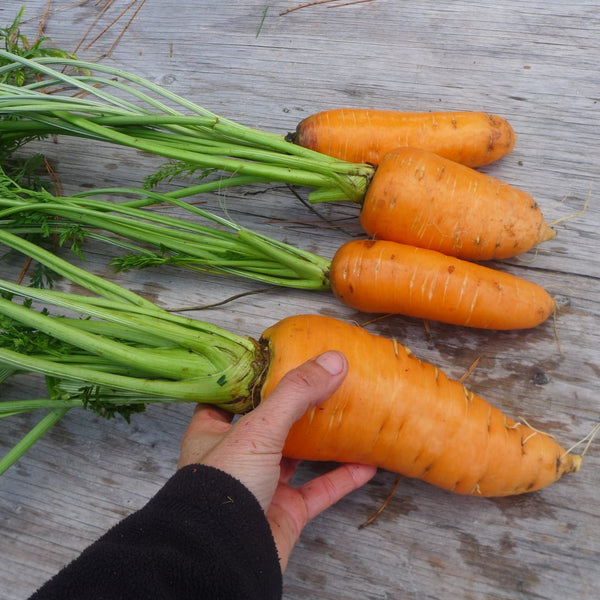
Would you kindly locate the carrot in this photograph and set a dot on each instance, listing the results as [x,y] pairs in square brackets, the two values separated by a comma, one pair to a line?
[419,198]
[401,414]
[366,135]
[388,277]
[392,411]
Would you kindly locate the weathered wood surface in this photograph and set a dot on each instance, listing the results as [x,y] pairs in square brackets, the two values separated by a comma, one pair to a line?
[536,63]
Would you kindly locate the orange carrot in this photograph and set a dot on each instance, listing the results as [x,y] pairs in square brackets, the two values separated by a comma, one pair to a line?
[388,277]
[366,135]
[419,198]
[401,414]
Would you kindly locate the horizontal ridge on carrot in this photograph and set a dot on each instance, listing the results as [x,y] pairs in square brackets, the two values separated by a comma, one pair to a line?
[419,198]
[360,135]
[406,416]
[388,277]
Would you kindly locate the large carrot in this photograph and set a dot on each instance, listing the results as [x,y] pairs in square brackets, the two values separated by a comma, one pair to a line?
[388,277]
[399,413]
[366,135]
[371,276]
[392,410]
[419,198]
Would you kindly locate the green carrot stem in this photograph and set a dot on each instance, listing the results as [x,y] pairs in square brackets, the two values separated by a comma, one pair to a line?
[120,331]
[75,274]
[31,438]
[10,408]
[256,169]
[133,305]
[148,360]
[241,252]
[214,343]
[149,198]
[196,190]
[232,383]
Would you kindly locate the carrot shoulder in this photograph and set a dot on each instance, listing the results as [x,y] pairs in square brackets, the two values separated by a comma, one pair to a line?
[365,135]
[401,414]
[388,277]
[419,198]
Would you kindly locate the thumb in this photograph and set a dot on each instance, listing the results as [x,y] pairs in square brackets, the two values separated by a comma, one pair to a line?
[251,449]
[300,389]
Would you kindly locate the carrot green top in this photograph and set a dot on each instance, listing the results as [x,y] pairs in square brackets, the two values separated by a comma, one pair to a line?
[124,353]
[103,103]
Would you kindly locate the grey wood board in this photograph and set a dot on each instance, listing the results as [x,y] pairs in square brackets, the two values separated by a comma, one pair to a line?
[536,63]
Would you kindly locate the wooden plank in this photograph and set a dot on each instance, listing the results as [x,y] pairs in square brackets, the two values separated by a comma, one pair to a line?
[535,63]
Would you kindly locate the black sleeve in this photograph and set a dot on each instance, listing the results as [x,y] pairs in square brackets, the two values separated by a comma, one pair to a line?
[204,535]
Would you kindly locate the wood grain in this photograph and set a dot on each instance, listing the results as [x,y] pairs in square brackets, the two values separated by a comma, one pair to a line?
[534,62]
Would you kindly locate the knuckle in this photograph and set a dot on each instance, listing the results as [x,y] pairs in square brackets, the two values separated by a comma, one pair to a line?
[303,378]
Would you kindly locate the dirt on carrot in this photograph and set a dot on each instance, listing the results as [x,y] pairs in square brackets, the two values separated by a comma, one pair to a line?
[419,198]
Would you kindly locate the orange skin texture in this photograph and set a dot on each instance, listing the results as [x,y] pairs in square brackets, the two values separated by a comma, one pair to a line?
[404,415]
[366,135]
[387,277]
[425,200]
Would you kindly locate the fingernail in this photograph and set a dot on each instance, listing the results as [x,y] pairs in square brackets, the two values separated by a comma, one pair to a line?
[332,362]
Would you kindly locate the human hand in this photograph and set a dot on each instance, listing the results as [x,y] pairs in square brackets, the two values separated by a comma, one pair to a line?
[250,450]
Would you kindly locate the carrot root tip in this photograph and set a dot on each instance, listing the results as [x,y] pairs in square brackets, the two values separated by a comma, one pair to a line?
[569,463]
[546,233]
